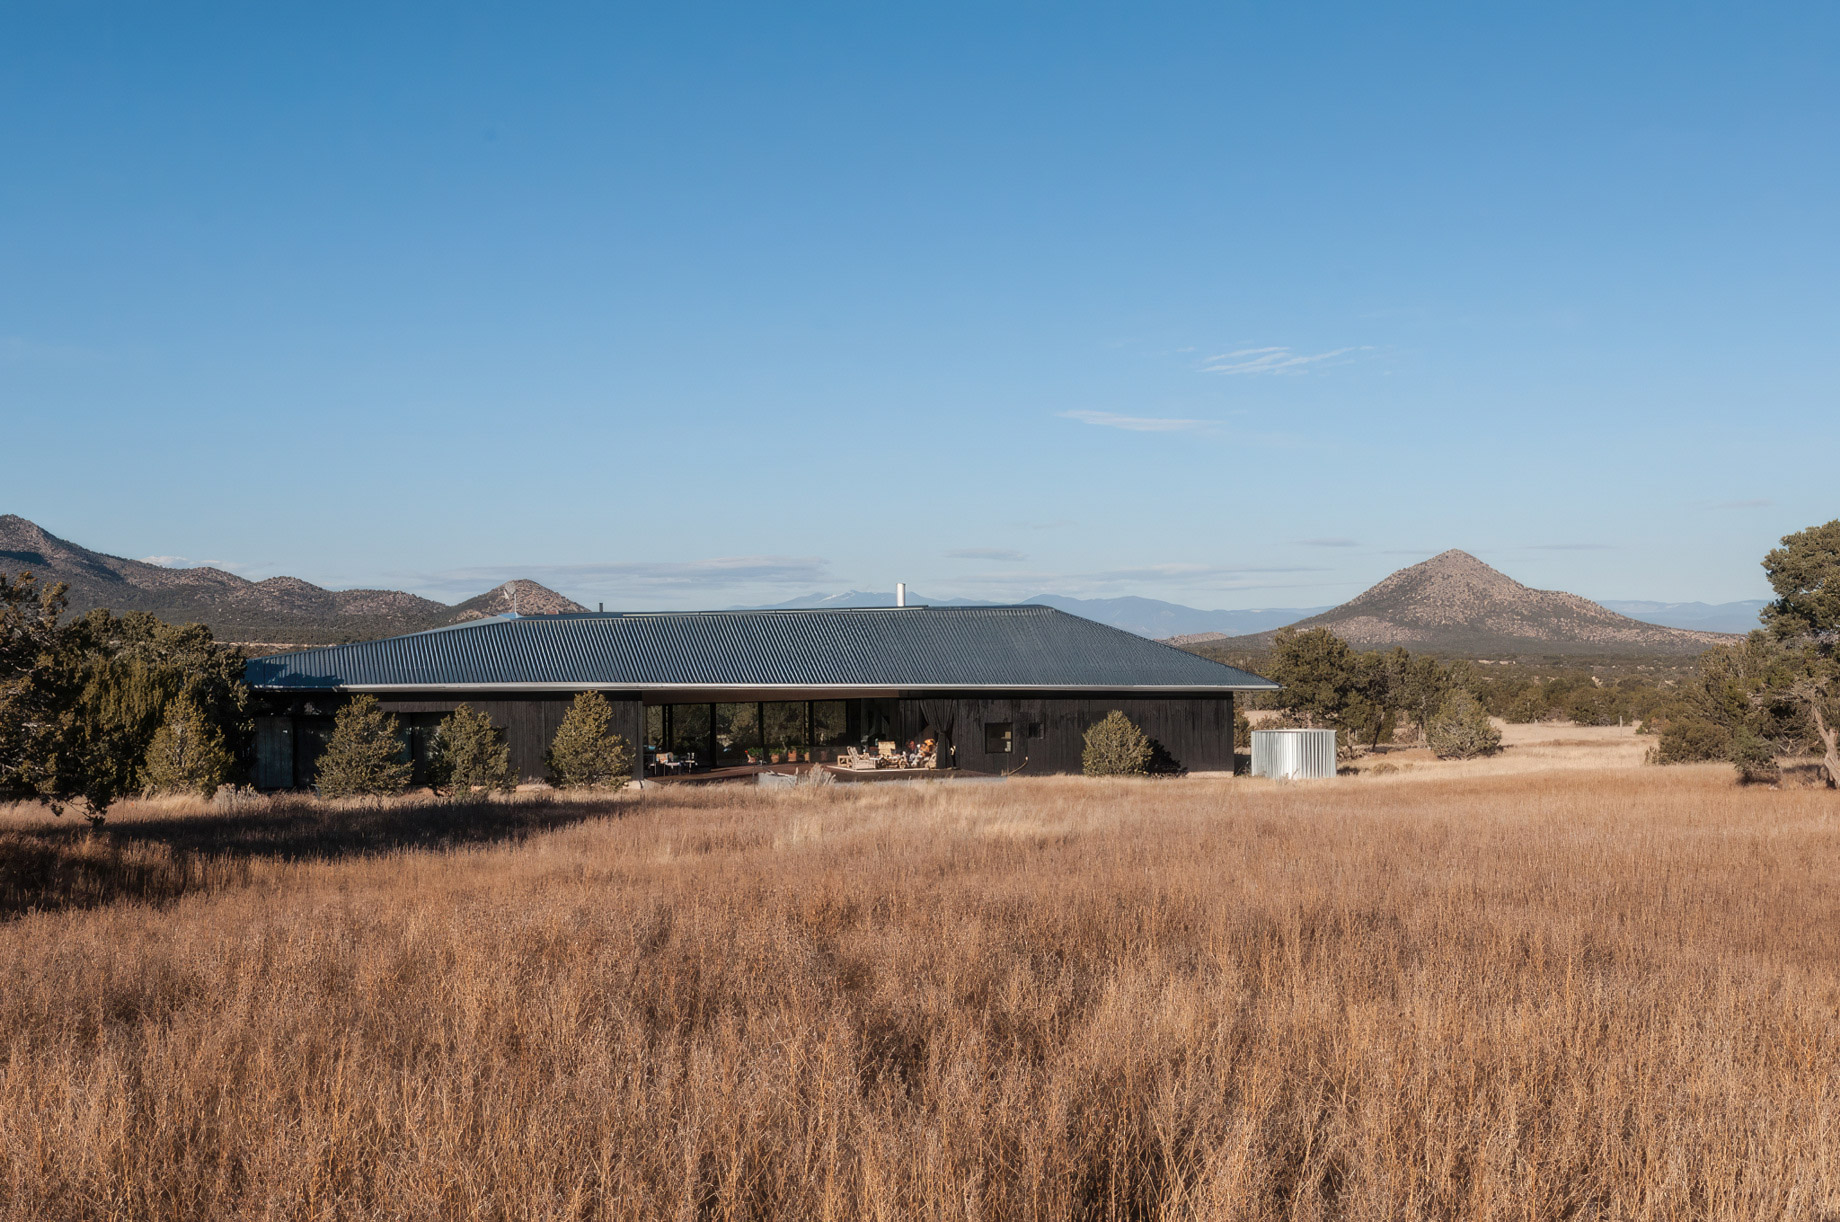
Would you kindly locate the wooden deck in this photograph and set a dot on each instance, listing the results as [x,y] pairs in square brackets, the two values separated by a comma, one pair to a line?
[747,772]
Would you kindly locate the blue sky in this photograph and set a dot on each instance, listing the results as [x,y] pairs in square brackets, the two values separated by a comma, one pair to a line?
[683,305]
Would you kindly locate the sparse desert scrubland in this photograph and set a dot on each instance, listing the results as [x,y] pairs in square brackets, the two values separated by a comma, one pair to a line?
[1587,994]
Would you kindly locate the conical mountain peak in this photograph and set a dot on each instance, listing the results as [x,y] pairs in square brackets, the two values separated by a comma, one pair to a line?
[520,596]
[1455,603]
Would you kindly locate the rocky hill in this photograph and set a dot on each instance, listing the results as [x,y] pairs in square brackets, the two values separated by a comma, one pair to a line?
[278,611]
[1455,604]
[519,597]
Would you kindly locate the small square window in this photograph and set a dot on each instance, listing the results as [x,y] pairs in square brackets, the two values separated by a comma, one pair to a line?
[1034,729]
[997,738]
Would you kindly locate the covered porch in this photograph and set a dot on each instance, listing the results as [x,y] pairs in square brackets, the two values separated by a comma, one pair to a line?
[702,738]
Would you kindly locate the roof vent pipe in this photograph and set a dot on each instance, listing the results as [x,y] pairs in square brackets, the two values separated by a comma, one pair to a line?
[900,593]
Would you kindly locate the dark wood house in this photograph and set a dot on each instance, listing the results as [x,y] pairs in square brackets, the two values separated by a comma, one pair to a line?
[1002,689]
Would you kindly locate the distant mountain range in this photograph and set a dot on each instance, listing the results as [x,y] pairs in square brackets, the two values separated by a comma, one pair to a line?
[1705,617]
[1182,625]
[278,611]
[289,611]
[1453,603]
[1149,617]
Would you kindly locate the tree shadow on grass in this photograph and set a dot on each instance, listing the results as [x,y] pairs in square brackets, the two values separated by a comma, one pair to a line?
[305,829]
[157,859]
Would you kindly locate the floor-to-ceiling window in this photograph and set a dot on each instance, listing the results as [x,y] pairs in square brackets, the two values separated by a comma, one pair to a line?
[723,735]
[784,728]
[876,723]
[830,727]
[737,733]
[689,732]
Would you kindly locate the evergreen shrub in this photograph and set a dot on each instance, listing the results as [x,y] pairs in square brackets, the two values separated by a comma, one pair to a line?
[1462,729]
[186,754]
[470,753]
[364,757]
[1115,747]
[586,753]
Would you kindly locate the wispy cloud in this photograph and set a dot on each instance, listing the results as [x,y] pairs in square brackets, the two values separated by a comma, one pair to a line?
[1270,360]
[168,562]
[1138,424]
[1005,554]
[1328,542]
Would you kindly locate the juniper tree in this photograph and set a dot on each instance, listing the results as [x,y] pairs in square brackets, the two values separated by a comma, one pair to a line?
[1461,729]
[1805,618]
[1754,758]
[1416,685]
[364,757]
[187,753]
[1319,675]
[81,700]
[1326,684]
[35,681]
[470,753]
[586,752]
[1115,747]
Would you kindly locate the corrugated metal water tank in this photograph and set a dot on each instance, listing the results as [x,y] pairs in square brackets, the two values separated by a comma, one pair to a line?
[1293,755]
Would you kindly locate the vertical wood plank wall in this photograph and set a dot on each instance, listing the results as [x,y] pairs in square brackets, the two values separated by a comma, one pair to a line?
[530,723]
[1196,732]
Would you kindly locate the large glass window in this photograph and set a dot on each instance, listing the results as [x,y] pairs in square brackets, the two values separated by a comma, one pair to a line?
[690,732]
[723,735]
[830,727]
[737,732]
[313,733]
[654,735]
[783,725]
[876,723]
[422,729]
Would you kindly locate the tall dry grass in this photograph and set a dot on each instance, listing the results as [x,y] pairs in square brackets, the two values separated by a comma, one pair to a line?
[1603,996]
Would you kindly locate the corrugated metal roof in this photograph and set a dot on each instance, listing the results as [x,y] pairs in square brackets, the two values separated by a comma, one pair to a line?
[906,648]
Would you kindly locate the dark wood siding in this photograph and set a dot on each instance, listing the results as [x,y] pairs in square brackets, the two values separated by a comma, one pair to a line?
[274,762]
[530,723]
[291,730]
[1196,732]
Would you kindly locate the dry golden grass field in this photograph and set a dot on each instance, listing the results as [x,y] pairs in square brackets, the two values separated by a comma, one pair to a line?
[1580,992]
